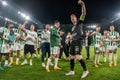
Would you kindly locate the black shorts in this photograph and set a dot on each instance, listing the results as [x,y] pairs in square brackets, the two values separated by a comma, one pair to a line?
[76,47]
[29,48]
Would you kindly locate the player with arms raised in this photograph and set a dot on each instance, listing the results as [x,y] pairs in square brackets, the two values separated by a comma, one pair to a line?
[76,44]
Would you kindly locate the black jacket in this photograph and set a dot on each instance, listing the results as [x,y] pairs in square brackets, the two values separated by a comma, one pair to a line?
[89,40]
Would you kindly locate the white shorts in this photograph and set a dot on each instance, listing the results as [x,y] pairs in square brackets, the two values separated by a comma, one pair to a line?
[22,46]
[17,47]
[103,49]
[11,47]
[55,50]
[98,49]
[4,48]
[112,48]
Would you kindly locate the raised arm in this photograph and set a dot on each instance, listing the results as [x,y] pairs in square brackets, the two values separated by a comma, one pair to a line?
[82,17]
[24,24]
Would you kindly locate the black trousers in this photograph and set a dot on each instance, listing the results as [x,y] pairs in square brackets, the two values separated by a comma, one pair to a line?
[88,51]
[65,50]
[45,49]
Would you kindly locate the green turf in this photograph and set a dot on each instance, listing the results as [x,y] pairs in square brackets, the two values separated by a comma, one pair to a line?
[36,72]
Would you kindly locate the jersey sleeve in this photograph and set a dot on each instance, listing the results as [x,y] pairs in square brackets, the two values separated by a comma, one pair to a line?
[117,35]
[1,29]
[36,35]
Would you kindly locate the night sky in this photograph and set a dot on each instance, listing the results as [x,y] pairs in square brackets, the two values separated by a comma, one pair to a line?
[47,11]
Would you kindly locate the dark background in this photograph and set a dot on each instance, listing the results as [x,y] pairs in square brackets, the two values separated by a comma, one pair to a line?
[49,10]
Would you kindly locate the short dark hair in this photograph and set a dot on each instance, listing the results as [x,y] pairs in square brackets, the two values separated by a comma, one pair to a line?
[7,24]
[62,30]
[72,15]
[56,21]
[98,27]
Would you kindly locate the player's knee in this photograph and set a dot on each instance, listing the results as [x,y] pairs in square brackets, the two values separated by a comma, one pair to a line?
[79,57]
[72,57]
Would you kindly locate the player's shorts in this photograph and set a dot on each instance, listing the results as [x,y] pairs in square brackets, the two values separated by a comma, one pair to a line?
[112,48]
[98,49]
[11,47]
[103,49]
[22,46]
[55,50]
[76,47]
[29,48]
[4,48]
[17,47]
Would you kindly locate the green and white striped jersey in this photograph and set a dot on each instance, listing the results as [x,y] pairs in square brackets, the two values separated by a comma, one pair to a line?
[22,41]
[97,38]
[17,33]
[106,40]
[5,32]
[113,35]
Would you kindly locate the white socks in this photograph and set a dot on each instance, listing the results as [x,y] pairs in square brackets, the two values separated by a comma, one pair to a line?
[17,59]
[115,58]
[6,62]
[104,59]
[110,58]
[48,62]
[25,60]
[11,59]
[98,58]
[31,62]
[95,58]
[56,61]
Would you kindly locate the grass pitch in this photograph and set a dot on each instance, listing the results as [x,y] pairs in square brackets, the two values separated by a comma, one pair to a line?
[36,72]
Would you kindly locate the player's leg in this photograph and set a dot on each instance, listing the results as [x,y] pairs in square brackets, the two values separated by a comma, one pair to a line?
[98,58]
[11,54]
[35,53]
[17,57]
[6,48]
[48,51]
[83,64]
[56,53]
[99,54]
[66,53]
[31,50]
[78,50]
[110,58]
[43,54]
[95,57]
[72,64]
[87,51]
[38,50]
[49,61]
[26,50]
[103,52]
[11,57]
[72,61]
[6,60]
[104,56]
[115,57]
[61,52]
